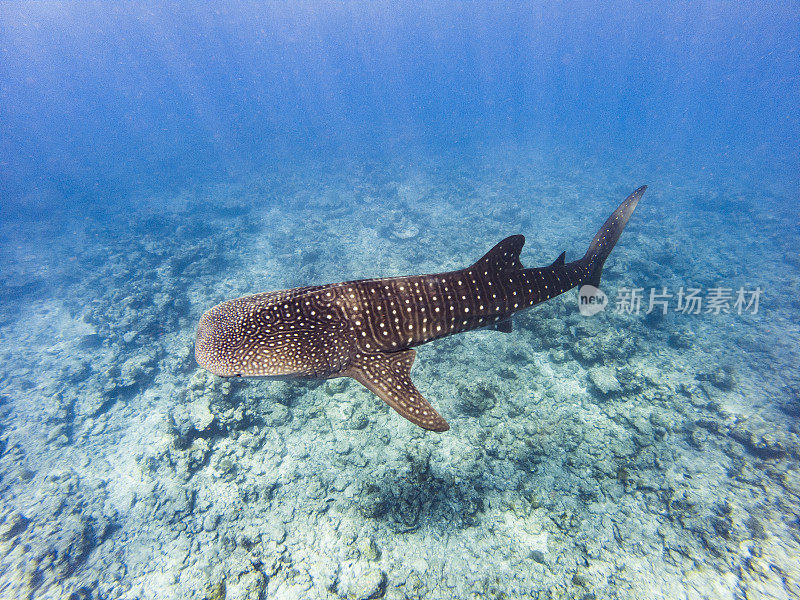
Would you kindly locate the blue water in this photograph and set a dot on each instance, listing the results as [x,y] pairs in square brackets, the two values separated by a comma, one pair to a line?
[156,160]
[107,100]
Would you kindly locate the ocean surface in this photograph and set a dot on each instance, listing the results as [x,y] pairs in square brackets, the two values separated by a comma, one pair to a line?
[158,159]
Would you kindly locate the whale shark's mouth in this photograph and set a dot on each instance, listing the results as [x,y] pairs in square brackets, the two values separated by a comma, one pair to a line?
[212,346]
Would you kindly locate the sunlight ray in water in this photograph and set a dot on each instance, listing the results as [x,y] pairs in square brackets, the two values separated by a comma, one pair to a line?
[631,437]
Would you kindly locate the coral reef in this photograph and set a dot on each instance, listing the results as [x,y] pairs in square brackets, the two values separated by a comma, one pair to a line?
[621,455]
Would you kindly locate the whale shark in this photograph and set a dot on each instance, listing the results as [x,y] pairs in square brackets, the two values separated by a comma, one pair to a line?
[367,329]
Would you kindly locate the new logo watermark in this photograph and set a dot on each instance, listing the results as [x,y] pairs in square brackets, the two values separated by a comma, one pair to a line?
[591,300]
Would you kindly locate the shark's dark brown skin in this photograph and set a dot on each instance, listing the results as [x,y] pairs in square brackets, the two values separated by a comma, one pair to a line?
[367,329]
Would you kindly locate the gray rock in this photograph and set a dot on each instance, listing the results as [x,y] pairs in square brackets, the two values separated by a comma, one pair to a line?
[759,439]
[210,521]
[604,381]
[200,415]
[342,447]
[90,341]
[469,463]
[682,339]
[73,541]
[335,386]
[477,398]
[370,584]
[250,585]
[630,378]
[136,369]
[14,524]
[368,548]
[197,454]
[226,468]
[644,431]
[174,501]
[276,532]
[216,591]
[790,403]
[538,556]
[371,503]
[58,435]
[723,378]
[182,427]
[233,418]
[358,420]
[278,415]
[587,350]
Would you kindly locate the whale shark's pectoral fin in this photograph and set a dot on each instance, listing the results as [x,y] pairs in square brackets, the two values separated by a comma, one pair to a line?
[388,375]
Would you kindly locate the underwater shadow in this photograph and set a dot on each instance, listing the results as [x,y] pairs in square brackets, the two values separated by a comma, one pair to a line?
[405,503]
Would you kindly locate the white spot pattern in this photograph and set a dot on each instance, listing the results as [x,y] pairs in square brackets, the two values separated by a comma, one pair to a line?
[343,329]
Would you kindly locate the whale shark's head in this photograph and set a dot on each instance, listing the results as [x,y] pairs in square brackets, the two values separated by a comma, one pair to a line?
[268,335]
[219,344]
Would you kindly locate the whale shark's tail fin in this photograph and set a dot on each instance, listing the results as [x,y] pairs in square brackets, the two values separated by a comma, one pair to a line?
[607,237]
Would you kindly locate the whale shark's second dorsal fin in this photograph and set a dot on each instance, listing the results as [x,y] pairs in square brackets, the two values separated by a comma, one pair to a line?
[559,262]
[503,257]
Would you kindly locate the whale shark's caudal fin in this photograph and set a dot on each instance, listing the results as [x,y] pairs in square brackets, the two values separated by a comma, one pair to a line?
[607,237]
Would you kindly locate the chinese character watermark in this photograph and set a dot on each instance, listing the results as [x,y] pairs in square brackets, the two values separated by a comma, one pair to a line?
[685,300]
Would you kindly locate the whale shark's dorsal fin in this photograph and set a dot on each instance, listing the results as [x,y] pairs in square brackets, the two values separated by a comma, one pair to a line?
[503,257]
[388,375]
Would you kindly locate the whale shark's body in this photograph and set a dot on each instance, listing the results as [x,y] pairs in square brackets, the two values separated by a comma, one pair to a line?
[367,329]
